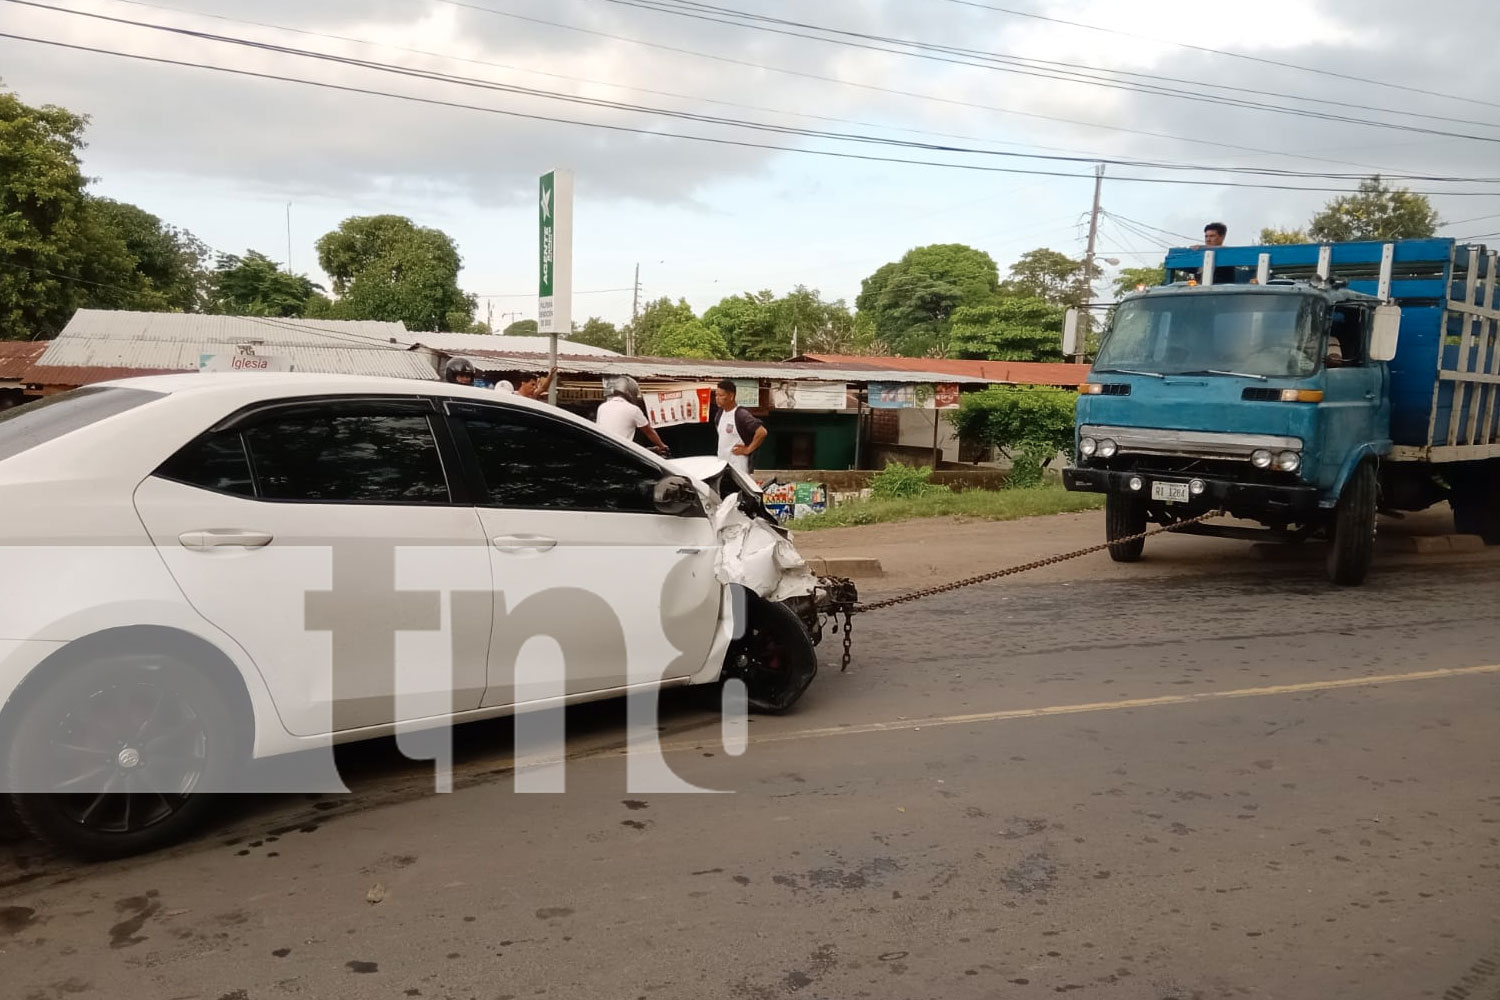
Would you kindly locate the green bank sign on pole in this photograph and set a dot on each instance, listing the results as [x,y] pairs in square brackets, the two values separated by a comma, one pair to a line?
[555,260]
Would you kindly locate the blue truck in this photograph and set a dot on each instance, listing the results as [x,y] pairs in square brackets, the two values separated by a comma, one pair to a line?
[1308,388]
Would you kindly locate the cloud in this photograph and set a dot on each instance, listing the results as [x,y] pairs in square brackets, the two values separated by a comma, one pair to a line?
[264,136]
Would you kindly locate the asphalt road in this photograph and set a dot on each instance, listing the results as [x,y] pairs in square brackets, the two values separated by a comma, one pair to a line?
[1210,786]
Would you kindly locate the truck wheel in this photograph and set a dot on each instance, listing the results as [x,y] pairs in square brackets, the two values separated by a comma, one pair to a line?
[1353,544]
[1124,516]
[1475,500]
[111,757]
[775,659]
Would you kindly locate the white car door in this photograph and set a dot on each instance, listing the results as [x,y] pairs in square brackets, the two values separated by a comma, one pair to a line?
[312,532]
[584,562]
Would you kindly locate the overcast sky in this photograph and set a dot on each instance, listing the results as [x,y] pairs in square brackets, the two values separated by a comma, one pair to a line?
[222,155]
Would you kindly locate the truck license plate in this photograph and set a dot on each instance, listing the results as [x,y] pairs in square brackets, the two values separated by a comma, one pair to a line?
[1171,492]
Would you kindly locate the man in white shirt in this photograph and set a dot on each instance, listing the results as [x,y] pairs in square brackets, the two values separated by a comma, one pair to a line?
[739,432]
[620,416]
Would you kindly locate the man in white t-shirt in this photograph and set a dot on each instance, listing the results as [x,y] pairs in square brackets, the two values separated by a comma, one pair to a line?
[620,415]
[739,432]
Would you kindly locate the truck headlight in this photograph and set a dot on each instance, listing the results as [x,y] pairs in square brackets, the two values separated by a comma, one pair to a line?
[1107,448]
[1260,458]
[1196,487]
[1087,446]
[1289,461]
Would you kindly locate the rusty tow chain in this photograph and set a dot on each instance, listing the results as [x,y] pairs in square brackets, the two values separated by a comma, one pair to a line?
[849,610]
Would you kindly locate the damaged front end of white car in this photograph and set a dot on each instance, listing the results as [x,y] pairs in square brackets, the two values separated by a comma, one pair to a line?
[787,604]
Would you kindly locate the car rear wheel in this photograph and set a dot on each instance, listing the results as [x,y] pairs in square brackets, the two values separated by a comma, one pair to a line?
[114,756]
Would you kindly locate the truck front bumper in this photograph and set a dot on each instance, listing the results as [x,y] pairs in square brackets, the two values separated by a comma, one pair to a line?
[1260,501]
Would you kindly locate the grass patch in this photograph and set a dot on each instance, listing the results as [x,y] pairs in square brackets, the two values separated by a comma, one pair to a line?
[985,505]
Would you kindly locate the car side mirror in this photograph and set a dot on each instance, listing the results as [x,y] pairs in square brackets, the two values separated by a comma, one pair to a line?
[1385,331]
[675,495]
[1070,333]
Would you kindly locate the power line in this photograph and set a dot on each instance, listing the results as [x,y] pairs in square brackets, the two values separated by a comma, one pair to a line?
[523,295]
[729,122]
[874,88]
[574,79]
[1464,222]
[1224,53]
[1046,69]
[1147,225]
[715,140]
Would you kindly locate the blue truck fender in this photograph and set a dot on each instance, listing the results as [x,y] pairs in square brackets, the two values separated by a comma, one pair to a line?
[1369,450]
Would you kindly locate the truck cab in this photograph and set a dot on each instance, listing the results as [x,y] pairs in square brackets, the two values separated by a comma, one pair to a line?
[1267,398]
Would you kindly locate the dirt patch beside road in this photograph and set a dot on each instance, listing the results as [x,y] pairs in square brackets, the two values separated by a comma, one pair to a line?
[923,553]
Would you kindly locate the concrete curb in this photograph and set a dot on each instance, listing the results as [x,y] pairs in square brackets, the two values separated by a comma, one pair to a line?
[853,567]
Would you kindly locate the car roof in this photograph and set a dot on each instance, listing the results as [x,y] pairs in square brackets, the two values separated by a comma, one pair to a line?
[275,385]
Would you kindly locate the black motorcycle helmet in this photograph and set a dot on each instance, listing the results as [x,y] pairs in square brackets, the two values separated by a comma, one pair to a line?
[459,370]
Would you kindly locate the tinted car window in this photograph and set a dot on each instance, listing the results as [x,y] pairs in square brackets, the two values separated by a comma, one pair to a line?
[346,457]
[216,462]
[532,461]
[36,423]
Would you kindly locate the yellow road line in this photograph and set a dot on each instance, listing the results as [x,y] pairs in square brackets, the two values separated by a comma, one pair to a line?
[1101,706]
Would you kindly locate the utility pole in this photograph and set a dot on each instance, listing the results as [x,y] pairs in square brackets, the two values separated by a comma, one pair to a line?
[1085,319]
[794,338]
[635,312]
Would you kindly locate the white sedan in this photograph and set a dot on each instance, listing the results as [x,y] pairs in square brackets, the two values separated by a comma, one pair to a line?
[205,569]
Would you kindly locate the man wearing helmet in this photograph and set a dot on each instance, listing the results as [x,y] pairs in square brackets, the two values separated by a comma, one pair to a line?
[458,371]
[620,415]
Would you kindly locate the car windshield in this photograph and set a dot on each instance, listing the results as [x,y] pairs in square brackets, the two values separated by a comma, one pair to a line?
[25,427]
[1201,333]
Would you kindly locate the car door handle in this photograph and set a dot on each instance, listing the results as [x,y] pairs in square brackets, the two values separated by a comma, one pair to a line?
[215,538]
[1369,395]
[523,543]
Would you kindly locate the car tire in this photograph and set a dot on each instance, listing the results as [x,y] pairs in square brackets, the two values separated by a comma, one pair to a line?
[1352,547]
[775,658]
[143,738]
[1124,516]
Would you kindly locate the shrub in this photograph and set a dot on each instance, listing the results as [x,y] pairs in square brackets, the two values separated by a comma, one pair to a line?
[902,482]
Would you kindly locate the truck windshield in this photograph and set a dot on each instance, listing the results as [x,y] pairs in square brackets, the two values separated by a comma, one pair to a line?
[1199,333]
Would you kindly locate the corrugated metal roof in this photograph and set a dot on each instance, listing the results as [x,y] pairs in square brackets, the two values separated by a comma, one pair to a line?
[18,355]
[465,342]
[1010,372]
[691,368]
[136,342]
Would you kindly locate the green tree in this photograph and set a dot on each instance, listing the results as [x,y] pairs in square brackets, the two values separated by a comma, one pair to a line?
[1029,425]
[912,300]
[654,318]
[1278,237]
[1048,275]
[521,328]
[170,272]
[1132,278]
[1010,328]
[690,338]
[599,333]
[43,224]
[385,267]
[1374,212]
[748,325]
[254,285]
